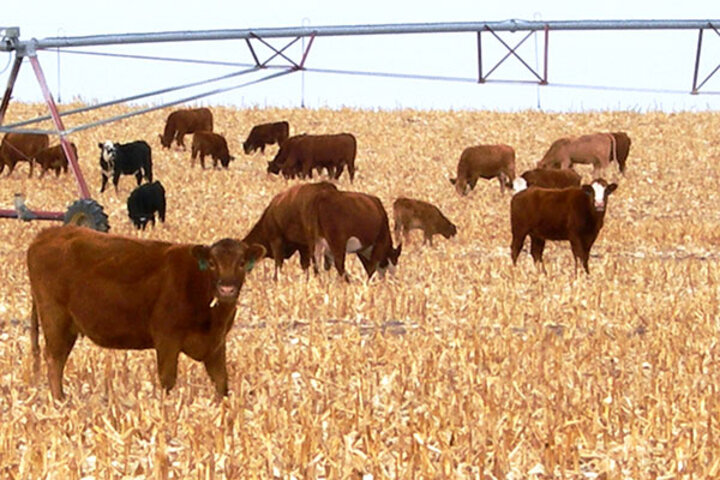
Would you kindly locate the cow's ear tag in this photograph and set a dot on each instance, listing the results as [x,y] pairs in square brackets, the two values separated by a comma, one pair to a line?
[202,264]
[249,266]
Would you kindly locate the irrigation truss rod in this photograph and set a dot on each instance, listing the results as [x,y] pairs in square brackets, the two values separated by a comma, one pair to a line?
[134,97]
[513,25]
[142,111]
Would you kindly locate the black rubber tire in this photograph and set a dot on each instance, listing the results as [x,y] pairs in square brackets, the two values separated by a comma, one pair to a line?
[88,213]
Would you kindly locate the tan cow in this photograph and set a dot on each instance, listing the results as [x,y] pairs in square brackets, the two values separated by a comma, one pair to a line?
[410,213]
[597,149]
[486,161]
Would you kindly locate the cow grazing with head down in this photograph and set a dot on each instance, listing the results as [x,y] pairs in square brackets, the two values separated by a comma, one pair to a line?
[547,178]
[21,147]
[53,158]
[350,222]
[301,154]
[411,214]
[209,143]
[485,161]
[597,149]
[184,121]
[575,214]
[135,294]
[280,228]
[266,134]
[134,158]
[144,201]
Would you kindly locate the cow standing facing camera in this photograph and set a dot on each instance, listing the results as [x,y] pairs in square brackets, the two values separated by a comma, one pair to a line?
[117,159]
[575,214]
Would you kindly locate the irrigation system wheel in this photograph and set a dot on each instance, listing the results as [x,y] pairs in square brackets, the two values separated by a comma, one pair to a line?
[87,213]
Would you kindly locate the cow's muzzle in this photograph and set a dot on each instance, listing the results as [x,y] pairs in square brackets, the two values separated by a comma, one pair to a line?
[227,292]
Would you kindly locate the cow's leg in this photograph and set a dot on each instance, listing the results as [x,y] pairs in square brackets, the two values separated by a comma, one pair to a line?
[116,180]
[167,359]
[216,367]
[516,245]
[537,246]
[104,183]
[501,179]
[579,252]
[59,341]
[202,160]
[11,167]
[262,149]
[2,166]
[138,177]
[31,168]
[180,139]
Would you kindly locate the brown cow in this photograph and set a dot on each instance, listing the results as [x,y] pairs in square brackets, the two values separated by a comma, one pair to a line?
[184,121]
[135,294]
[350,222]
[574,213]
[54,158]
[410,213]
[597,149]
[486,161]
[213,144]
[280,228]
[266,134]
[300,154]
[21,147]
[547,178]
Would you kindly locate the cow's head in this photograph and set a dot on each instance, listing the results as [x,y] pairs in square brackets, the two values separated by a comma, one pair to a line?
[108,151]
[448,229]
[390,262]
[227,261]
[225,161]
[599,191]
[165,141]
[273,167]
[247,147]
[461,186]
[519,184]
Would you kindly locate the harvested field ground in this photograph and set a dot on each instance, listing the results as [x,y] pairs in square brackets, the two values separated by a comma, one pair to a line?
[460,366]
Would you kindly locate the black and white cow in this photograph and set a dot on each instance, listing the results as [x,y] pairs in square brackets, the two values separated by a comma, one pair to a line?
[117,159]
[144,201]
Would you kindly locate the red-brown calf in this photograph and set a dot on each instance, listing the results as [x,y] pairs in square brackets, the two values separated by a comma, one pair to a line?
[213,144]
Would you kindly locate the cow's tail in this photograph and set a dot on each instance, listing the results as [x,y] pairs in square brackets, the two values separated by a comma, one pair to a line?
[351,160]
[34,338]
[613,148]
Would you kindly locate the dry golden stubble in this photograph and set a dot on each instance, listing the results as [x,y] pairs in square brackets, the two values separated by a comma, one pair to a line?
[459,366]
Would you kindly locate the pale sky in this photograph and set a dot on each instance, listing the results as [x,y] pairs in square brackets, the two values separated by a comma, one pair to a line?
[661,61]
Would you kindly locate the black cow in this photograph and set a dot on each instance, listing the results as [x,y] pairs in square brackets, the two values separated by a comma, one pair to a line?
[144,201]
[125,159]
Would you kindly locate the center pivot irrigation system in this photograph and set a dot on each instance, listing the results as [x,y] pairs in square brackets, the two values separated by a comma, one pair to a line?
[87,211]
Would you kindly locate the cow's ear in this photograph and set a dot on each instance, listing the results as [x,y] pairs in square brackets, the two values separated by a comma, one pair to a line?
[588,190]
[253,253]
[100,145]
[452,180]
[201,253]
[610,188]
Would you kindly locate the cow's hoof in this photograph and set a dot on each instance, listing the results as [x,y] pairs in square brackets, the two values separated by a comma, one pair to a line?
[87,213]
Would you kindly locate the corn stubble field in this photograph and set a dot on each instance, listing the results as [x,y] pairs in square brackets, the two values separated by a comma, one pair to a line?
[459,366]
